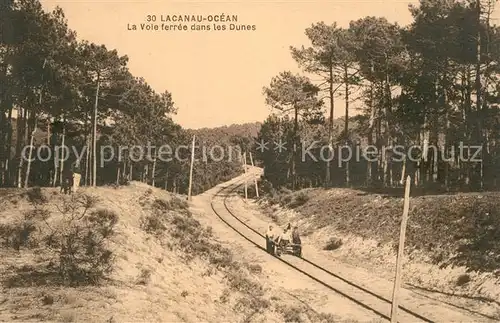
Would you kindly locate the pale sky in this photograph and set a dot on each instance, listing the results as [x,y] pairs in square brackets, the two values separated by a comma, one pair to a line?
[216,77]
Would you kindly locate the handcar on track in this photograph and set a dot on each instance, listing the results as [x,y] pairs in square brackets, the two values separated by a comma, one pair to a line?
[288,247]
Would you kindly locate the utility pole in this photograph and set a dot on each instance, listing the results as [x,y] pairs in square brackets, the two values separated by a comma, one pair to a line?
[191,169]
[399,261]
[255,178]
[245,168]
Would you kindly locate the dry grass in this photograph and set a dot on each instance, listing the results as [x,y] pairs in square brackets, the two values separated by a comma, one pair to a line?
[74,240]
[128,253]
[458,230]
[452,244]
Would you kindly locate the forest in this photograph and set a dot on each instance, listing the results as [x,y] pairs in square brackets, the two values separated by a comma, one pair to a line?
[59,91]
[431,85]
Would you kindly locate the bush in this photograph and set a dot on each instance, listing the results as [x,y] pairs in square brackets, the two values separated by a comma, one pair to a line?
[17,235]
[153,224]
[285,199]
[20,233]
[179,204]
[463,279]
[76,238]
[265,187]
[292,315]
[83,255]
[35,196]
[162,205]
[239,281]
[333,244]
[144,277]
[298,199]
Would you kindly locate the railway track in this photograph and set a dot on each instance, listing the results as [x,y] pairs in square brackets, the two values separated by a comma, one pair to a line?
[369,300]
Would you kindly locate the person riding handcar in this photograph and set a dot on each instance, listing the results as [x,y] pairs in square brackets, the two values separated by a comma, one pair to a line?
[297,243]
[270,238]
[284,239]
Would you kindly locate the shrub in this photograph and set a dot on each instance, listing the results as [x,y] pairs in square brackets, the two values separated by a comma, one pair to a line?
[292,315]
[144,277]
[124,182]
[463,279]
[83,255]
[153,224]
[222,257]
[285,199]
[17,235]
[37,214]
[333,244]
[76,207]
[20,233]
[264,186]
[179,204]
[239,281]
[35,196]
[162,205]
[298,199]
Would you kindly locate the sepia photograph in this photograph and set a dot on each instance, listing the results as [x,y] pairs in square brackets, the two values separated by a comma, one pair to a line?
[253,161]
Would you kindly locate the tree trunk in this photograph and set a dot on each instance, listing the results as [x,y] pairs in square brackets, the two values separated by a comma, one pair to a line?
[27,176]
[488,171]
[87,148]
[385,166]
[369,175]
[118,174]
[425,148]
[378,139]
[56,165]
[48,131]
[435,126]
[3,128]
[478,88]
[153,171]
[388,131]
[346,122]
[87,159]
[94,135]
[403,171]
[19,127]
[8,147]
[468,108]
[445,159]
[294,148]
[124,170]
[21,140]
[63,141]
[330,127]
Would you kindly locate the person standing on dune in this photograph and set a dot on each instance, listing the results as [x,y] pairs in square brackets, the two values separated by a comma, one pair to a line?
[75,168]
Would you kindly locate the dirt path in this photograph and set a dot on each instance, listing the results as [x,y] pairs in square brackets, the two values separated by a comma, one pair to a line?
[304,286]
[280,277]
